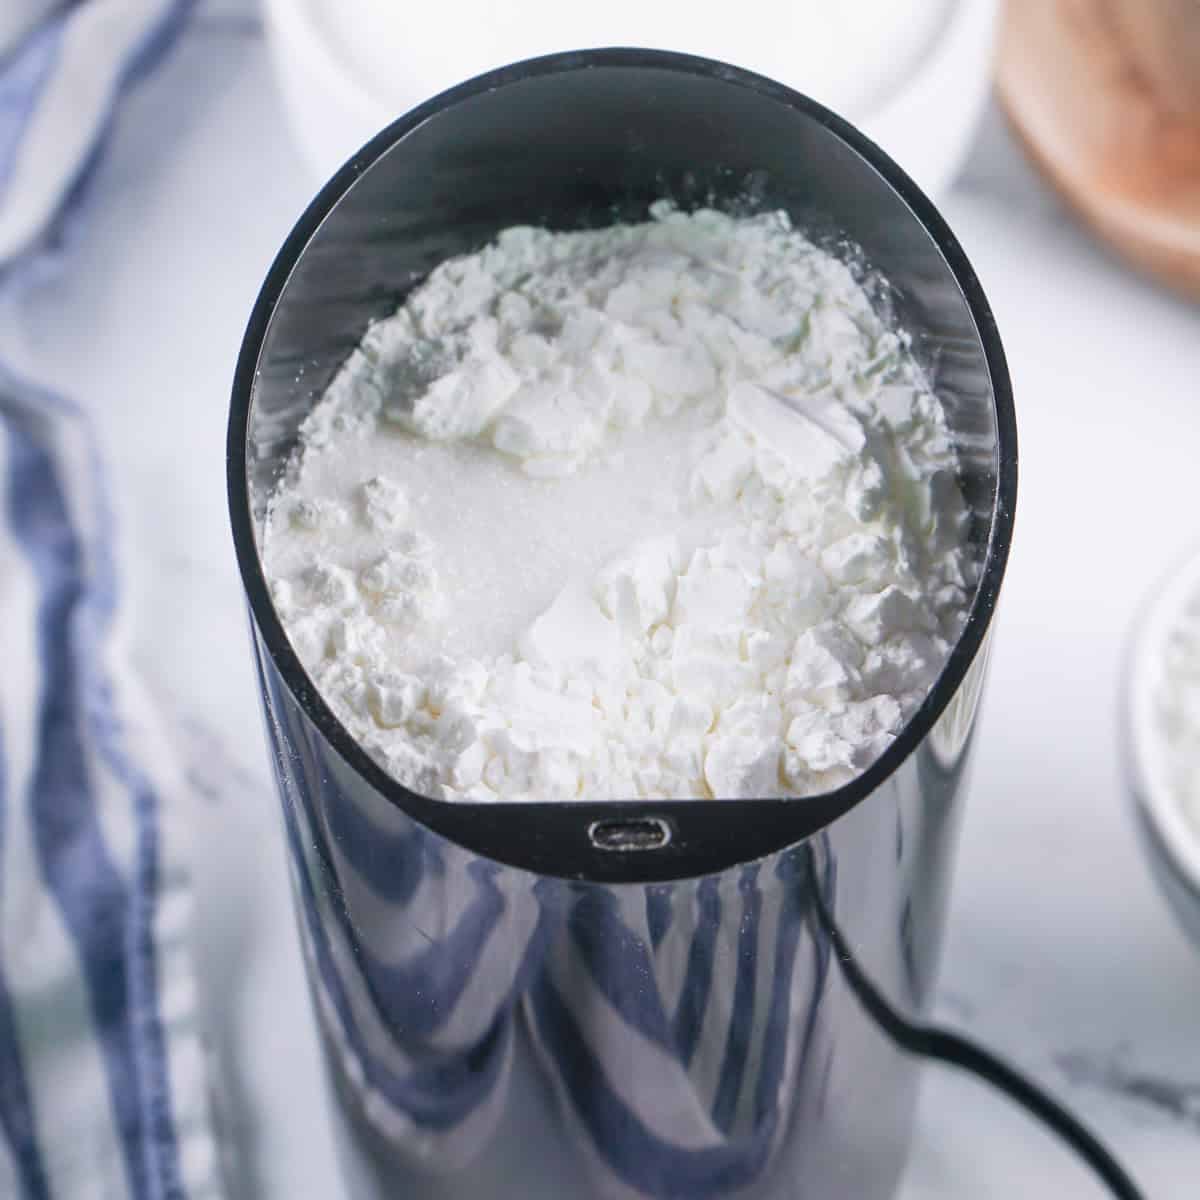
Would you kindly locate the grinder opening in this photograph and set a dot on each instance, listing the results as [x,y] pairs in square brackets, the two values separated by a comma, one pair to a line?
[577,141]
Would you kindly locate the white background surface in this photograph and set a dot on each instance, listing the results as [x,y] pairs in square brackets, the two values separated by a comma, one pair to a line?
[1060,953]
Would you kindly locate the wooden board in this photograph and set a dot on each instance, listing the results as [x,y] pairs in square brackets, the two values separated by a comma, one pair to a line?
[1105,94]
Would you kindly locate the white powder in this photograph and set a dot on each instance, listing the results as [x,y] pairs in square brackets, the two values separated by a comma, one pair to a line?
[663,510]
[1176,707]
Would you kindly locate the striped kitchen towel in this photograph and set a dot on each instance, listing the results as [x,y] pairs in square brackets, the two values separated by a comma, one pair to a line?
[102,1079]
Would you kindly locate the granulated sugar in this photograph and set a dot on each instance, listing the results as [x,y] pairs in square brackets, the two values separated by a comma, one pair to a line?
[662,510]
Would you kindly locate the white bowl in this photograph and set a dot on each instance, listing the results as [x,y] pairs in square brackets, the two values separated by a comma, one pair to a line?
[916,83]
[1171,840]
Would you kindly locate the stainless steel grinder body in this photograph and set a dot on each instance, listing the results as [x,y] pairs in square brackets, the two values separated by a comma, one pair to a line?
[625,999]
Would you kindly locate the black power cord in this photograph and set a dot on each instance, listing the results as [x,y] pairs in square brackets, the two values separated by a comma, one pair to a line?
[955,1050]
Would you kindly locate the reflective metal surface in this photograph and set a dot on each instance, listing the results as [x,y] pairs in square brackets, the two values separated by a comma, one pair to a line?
[693,1038]
[512,1007]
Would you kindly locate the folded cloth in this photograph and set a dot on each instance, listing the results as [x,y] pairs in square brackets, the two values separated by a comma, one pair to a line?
[102,1080]
[19,17]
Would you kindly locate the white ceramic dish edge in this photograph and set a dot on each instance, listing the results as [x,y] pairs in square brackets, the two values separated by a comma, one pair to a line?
[926,124]
[1171,843]
[331,114]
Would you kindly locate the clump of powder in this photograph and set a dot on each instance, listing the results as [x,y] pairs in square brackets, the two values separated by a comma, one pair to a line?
[662,510]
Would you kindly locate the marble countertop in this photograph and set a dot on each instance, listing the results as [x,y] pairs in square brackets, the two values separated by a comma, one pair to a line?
[1060,952]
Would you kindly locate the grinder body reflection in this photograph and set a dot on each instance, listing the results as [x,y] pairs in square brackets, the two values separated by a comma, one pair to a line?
[510,1005]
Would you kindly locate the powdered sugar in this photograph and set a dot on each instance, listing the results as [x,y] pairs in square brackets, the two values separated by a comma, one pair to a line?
[660,510]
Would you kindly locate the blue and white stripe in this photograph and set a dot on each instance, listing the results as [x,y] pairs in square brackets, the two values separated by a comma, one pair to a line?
[676,1066]
[417,999]
[672,1021]
[102,1081]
